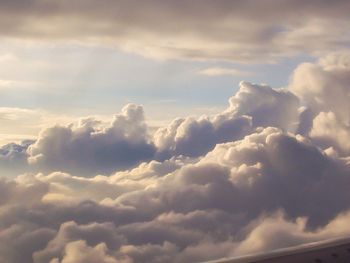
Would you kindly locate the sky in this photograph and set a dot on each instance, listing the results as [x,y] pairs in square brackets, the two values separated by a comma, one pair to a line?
[67,81]
[171,131]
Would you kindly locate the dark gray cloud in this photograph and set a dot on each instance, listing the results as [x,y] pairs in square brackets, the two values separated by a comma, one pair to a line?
[228,30]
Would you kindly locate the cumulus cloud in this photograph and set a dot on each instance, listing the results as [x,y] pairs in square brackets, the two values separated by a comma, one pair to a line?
[286,233]
[162,29]
[13,158]
[86,149]
[91,148]
[252,106]
[324,88]
[266,106]
[328,131]
[270,171]
[173,211]
[195,137]
[79,252]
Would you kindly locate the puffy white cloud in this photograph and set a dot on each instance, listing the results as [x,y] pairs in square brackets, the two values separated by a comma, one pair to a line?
[214,186]
[88,150]
[68,242]
[266,106]
[13,158]
[252,106]
[328,131]
[276,232]
[324,88]
[79,252]
[149,253]
[195,137]
[90,147]
[182,210]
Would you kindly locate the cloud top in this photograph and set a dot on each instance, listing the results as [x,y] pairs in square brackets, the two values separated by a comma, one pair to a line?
[270,171]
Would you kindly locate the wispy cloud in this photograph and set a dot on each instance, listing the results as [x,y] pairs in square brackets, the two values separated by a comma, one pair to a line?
[201,29]
[20,84]
[220,71]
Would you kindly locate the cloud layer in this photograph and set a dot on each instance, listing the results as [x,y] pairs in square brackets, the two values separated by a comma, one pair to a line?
[228,30]
[272,170]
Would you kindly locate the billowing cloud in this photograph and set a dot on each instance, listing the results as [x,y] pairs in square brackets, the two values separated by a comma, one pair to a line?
[220,203]
[195,137]
[79,252]
[252,106]
[87,149]
[266,106]
[329,132]
[324,88]
[241,181]
[13,158]
[226,30]
[90,147]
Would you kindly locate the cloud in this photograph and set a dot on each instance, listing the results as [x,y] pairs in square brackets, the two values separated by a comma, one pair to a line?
[91,147]
[173,211]
[6,84]
[161,29]
[327,131]
[79,252]
[19,124]
[252,106]
[289,233]
[68,242]
[88,150]
[195,137]
[213,72]
[13,158]
[266,106]
[198,189]
[324,88]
